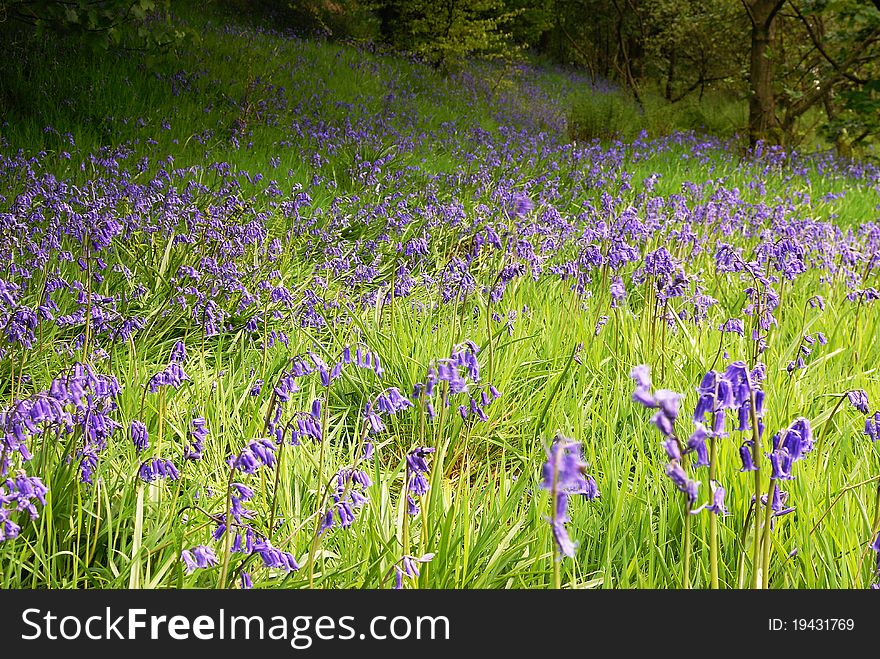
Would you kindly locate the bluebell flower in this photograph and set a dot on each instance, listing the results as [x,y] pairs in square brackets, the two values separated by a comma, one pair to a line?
[677,474]
[697,443]
[273,557]
[199,556]
[198,434]
[416,471]
[158,468]
[745,454]
[139,436]
[872,426]
[565,474]
[716,507]
[408,566]
[859,400]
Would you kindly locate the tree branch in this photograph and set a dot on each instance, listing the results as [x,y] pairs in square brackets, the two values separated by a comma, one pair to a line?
[815,39]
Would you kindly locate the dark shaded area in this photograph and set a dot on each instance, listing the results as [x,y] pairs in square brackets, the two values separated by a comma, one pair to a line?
[805,69]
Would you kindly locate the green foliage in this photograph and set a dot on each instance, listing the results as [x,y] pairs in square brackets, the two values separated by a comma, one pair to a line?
[99,23]
[445,33]
[610,115]
[487,517]
[603,115]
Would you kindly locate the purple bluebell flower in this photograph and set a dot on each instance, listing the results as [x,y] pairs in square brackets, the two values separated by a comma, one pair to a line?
[199,556]
[416,472]
[672,448]
[275,558]
[158,468]
[872,426]
[716,507]
[407,566]
[348,495]
[745,454]
[642,375]
[258,453]
[178,353]
[246,581]
[520,204]
[677,474]
[817,301]
[859,400]
[780,464]
[618,291]
[734,326]
[697,444]
[139,436]
[565,474]
[19,494]
[198,433]
[779,502]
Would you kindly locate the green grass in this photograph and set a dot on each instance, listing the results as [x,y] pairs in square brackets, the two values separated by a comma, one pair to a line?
[484,516]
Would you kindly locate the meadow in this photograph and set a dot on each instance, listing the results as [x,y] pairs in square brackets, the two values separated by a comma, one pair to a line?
[279,312]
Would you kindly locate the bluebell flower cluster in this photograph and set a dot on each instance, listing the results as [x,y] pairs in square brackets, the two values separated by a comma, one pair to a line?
[198,433]
[349,494]
[19,493]
[461,373]
[408,566]
[564,474]
[158,469]
[200,556]
[416,476]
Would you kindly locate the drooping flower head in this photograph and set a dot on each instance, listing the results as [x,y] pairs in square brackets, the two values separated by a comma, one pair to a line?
[859,400]
[564,474]
[416,476]
[872,426]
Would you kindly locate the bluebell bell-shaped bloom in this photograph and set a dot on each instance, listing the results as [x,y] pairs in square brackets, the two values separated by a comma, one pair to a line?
[859,400]
[745,454]
[198,433]
[275,558]
[407,566]
[679,477]
[199,556]
[697,444]
[139,436]
[733,325]
[564,474]
[872,426]
[158,468]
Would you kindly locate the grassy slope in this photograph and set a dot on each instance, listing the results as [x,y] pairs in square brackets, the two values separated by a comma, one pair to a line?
[485,519]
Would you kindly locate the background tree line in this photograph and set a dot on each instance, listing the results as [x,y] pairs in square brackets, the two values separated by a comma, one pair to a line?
[802,66]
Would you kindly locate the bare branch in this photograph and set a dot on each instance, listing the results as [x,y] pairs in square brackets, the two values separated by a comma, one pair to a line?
[817,43]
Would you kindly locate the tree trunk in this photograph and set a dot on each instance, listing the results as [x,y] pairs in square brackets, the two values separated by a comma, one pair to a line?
[763,122]
[670,74]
